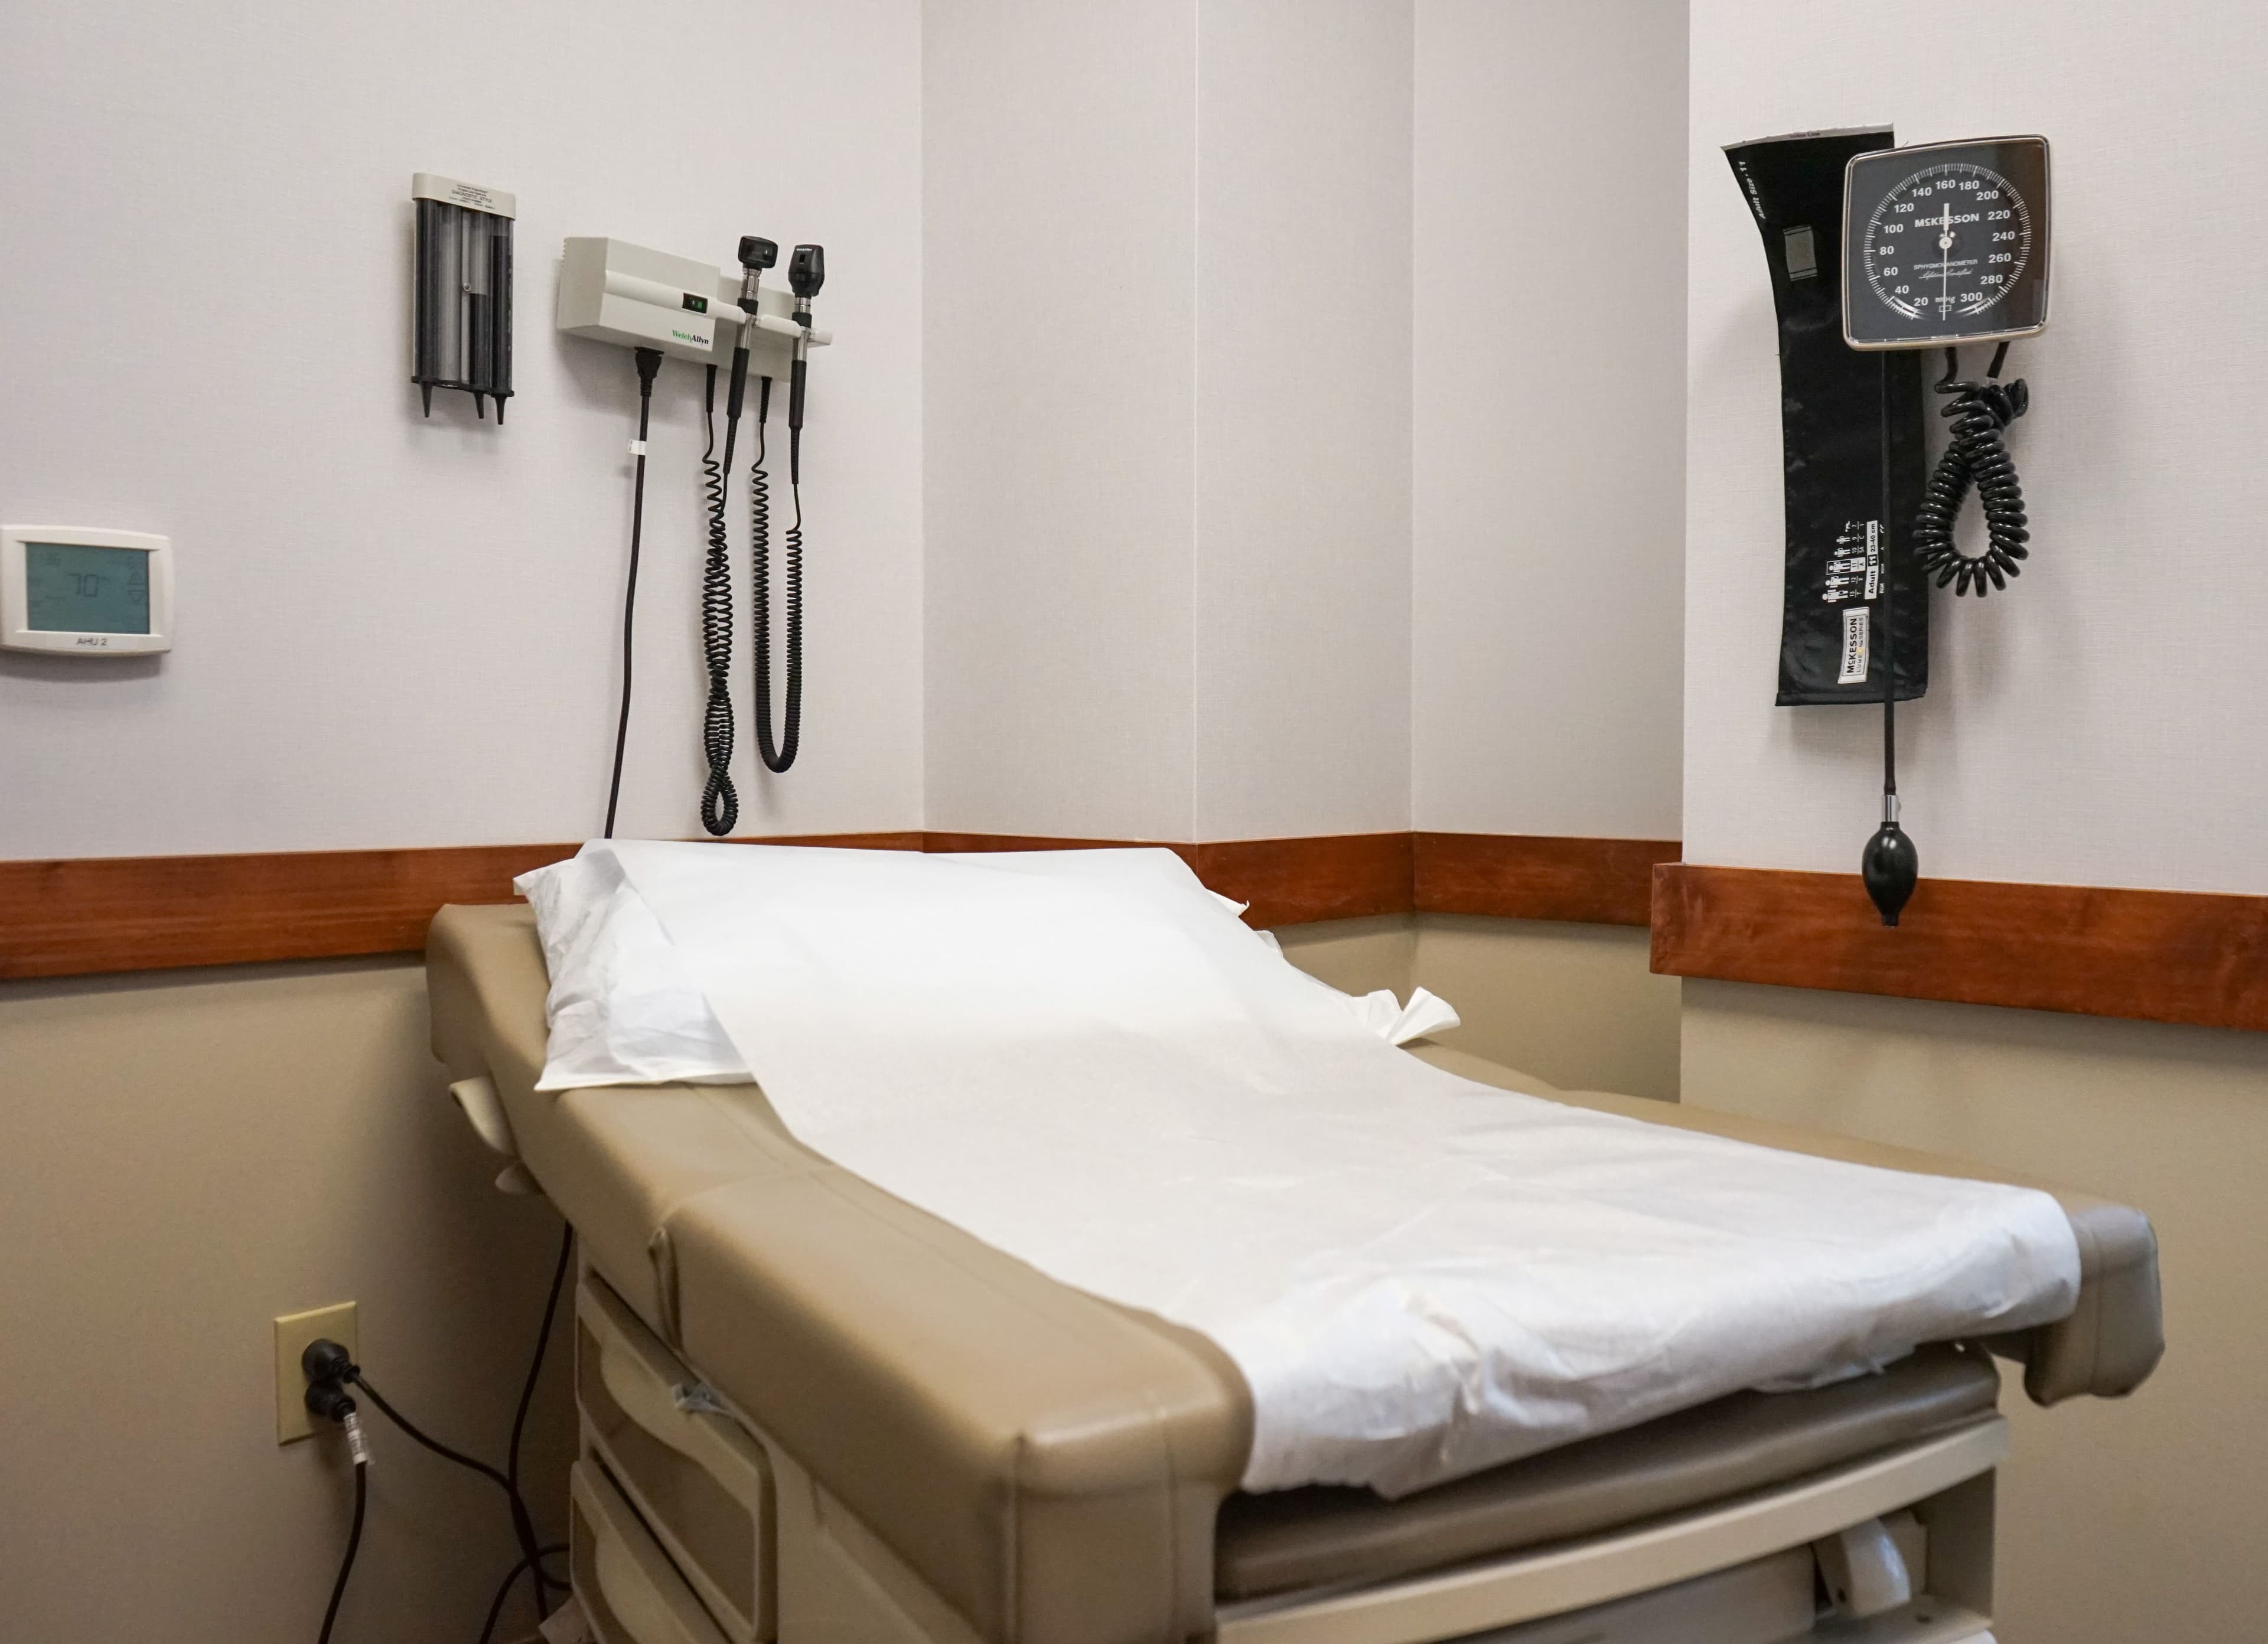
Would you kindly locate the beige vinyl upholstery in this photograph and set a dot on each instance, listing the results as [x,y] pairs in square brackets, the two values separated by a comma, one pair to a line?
[1053,1465]
[1049,1463]
[1288,1539]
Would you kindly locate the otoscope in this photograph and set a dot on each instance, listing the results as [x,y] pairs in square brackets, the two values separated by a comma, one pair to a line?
[757,255]
[807,272]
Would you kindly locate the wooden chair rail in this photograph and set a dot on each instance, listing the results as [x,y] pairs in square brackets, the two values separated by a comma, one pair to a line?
[84,916]
[2158,956]
[2153,956]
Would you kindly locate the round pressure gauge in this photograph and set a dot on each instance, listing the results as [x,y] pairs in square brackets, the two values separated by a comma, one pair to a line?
[1946,244]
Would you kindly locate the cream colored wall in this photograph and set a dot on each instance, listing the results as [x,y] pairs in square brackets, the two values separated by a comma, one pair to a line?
[1572,1004]
[182,1158]
[1355,956]
[2119,1522]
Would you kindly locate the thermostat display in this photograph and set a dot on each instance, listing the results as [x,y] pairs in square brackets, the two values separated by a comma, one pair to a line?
[85,592]
[74,589]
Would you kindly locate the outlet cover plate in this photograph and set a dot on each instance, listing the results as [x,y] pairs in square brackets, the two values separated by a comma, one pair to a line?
[293,1333]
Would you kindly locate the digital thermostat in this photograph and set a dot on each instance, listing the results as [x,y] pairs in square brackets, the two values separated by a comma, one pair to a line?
[85,593]
[1947,243]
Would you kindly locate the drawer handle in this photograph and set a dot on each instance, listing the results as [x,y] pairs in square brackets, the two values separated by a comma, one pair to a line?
[686,1419]
[649,1404]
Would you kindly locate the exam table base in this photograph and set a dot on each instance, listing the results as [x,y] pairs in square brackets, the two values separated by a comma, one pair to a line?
[690,1525]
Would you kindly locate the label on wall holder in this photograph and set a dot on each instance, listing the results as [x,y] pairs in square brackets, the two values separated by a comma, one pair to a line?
[1833,433]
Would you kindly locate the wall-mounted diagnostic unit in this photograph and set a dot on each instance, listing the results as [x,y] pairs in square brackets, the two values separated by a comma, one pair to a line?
[613,291]
[85,593]
[460,332]
[657,305]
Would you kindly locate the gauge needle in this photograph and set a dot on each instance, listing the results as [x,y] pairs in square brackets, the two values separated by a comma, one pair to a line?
[1944,262]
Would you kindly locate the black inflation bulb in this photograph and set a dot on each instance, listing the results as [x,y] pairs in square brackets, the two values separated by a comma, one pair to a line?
[1890,866]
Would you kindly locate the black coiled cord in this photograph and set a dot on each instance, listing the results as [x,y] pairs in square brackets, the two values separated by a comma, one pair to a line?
[720,805]
[777,756]
[1976,456]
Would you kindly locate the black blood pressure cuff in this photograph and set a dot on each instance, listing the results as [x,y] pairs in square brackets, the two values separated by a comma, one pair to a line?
[1832,422]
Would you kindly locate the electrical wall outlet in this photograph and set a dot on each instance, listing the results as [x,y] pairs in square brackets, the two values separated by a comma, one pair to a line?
[293,1333]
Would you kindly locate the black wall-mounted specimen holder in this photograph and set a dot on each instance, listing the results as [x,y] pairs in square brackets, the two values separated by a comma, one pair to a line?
[460,332]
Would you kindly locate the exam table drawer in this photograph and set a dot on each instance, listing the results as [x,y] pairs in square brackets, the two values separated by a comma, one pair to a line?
[628,1588]
[701,1484]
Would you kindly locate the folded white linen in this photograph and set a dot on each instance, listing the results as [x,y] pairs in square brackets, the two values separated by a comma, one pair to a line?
[1418,1275]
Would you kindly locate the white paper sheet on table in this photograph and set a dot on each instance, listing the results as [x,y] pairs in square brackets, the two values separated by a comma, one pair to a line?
[1107,1076]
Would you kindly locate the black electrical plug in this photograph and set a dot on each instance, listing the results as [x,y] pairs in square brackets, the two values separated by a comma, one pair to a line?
[329,1367]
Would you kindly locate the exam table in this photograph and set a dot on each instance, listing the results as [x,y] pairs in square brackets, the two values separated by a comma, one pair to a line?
[810,1411]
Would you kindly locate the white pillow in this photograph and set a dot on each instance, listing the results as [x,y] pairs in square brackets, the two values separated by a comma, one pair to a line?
[623,1011]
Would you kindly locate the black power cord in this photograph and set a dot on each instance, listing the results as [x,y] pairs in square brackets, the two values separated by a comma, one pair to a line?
[324,1363]
[354,1546]
[495,1610]
[1979,414]
[649,363]
[523,1525]
[527,1397]
[329,1370]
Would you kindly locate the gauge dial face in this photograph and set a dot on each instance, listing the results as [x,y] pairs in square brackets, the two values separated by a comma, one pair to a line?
[1946,243]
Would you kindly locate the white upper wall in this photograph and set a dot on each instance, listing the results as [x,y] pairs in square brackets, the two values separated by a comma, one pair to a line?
[1167,374]
[1059,237]
[1112,486]
[401,632]
[2100,721]
[1548,425]
[1302,417]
